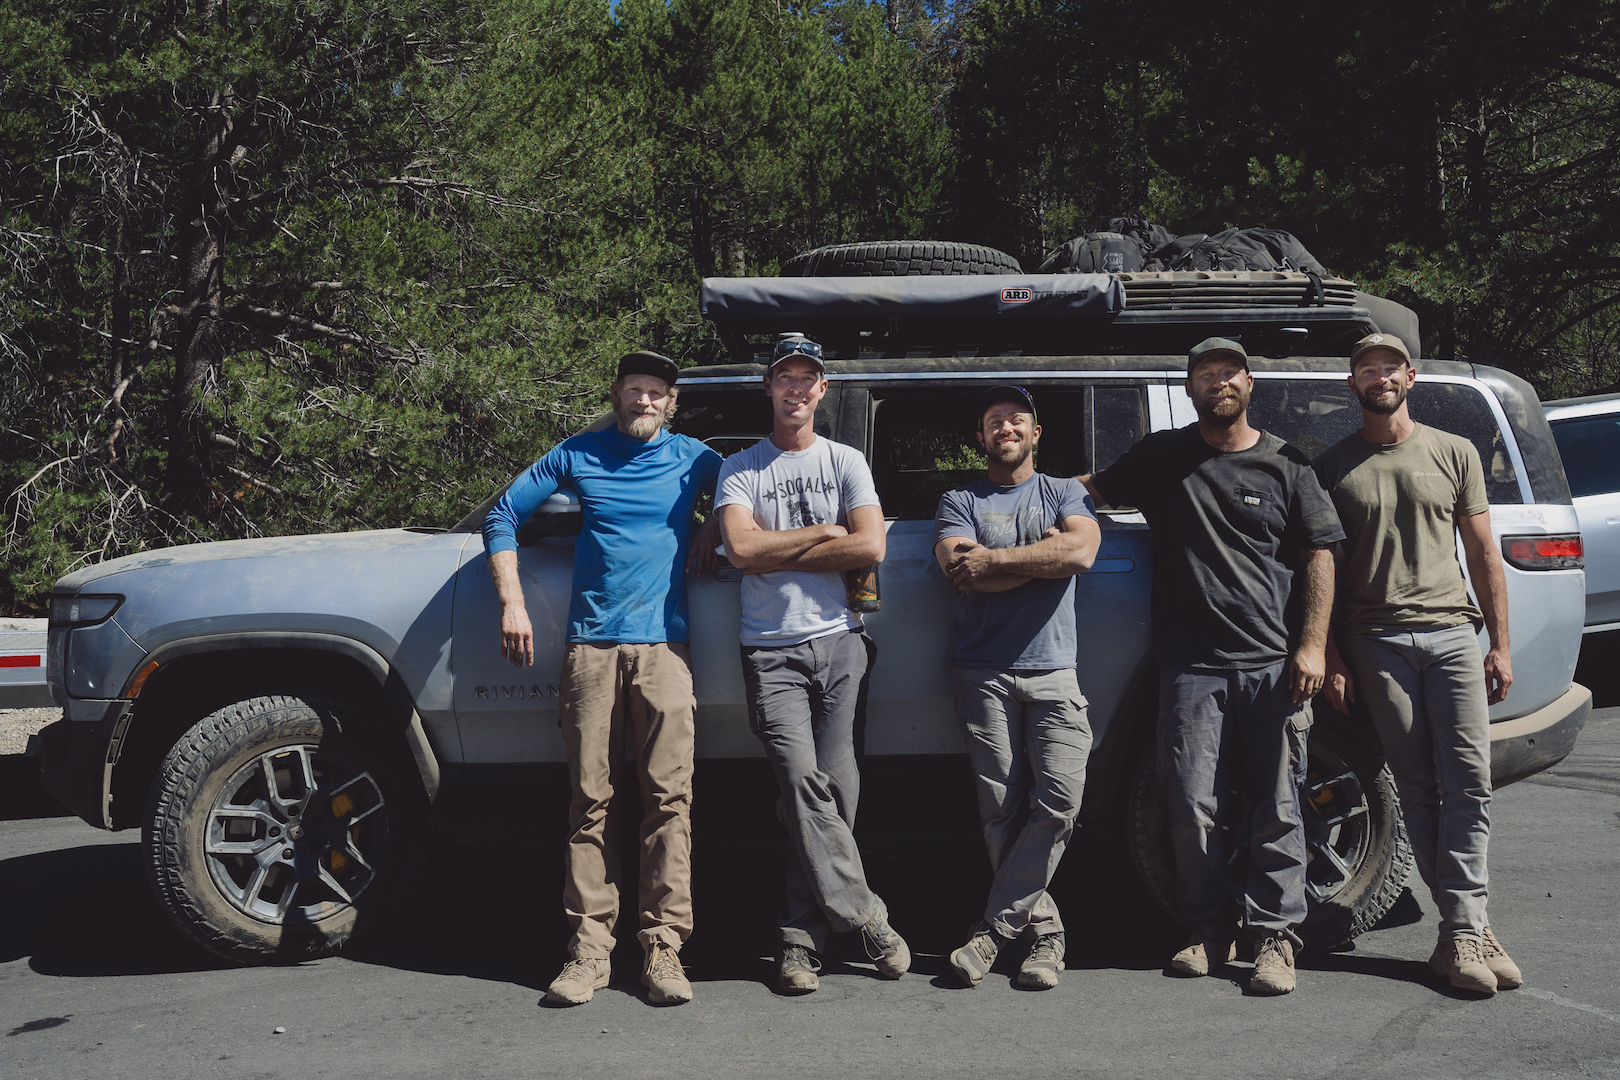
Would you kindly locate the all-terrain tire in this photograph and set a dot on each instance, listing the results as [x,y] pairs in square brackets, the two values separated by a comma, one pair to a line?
[285,802]
[1352,817]
[900,258]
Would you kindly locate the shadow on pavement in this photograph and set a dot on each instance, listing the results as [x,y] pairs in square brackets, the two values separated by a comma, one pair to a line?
[21,793]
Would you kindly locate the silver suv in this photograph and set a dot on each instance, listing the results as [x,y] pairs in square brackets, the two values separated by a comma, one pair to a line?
[287,718]
[1587,431]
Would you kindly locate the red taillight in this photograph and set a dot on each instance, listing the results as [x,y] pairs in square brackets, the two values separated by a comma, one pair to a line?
[1544,552]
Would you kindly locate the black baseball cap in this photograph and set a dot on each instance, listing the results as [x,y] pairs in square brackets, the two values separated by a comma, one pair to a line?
[1014,395]
[1216,346]
[796,346]
[649,363]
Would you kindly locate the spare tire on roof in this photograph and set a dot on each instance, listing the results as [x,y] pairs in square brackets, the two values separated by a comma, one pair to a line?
[900,258]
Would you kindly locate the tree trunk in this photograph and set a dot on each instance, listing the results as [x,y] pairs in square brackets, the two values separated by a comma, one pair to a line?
[200,349]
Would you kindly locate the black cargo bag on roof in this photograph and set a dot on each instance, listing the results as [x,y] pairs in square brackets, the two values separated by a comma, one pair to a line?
[1097,253]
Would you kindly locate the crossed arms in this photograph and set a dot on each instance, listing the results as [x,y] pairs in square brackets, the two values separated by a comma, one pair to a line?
[1068,548]
[816,548]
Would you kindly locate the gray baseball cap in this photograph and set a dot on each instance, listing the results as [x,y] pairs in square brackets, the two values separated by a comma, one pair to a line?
[1213,347]
[1379,341]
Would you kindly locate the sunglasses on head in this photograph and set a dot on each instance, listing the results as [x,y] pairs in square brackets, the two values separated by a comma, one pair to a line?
[793,347]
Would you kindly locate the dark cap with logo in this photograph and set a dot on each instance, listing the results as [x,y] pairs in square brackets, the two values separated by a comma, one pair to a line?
[795,347]
[1379,341]
[649,363]
[1210,348]
[1012,395]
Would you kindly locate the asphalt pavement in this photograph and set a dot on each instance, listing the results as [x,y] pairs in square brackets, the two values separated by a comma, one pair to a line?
[95,982]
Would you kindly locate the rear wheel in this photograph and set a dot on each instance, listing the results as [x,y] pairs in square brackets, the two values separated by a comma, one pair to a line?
[277,829]
[900,258]
[1359,854]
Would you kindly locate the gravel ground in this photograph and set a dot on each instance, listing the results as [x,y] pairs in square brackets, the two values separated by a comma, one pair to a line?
[17,724]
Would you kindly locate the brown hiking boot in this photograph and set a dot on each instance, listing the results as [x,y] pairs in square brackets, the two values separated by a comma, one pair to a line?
[886,948]
[796,970]
[1462,962]
[1508,975]
[578,980]
[972,961]
[1195,958]
[662,976]
[1044,963]
[1273,965]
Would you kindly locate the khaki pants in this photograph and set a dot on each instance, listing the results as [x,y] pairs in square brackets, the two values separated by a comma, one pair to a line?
[604,683]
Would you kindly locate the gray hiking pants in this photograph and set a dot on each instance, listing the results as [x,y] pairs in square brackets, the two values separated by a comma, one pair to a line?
[801,704]
[1226,730]
[1028,739]
[1425,691]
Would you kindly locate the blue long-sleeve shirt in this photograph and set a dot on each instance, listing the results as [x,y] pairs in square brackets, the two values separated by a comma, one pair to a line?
[630,558]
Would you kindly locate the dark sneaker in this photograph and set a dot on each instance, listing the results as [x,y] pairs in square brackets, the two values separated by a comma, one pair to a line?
[663,977]
[796,970]
[1043,965]
[1273,965]
[886,948]
[1195,958]
[973,960]
[1508,975]
[1461,961]
[578,980]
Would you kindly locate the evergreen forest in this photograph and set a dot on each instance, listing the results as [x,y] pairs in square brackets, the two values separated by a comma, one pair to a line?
[287,266]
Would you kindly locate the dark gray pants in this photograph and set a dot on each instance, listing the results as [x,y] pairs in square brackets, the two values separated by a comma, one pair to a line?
[1425,692]
[801,704]
[1028,740]
[1226,730]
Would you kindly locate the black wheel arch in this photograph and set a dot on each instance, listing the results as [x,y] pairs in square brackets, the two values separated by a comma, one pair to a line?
[197,675]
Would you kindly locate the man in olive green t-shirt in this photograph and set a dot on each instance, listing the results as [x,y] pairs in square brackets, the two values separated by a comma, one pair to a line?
[1408,641]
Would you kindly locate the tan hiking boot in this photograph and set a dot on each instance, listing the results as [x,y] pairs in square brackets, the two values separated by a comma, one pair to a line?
[1195,958]
[1508,975]
[1273,965]
[973,961]
[796,970]
[1043,965]
[578,980]
[1462,962]
[663,977]
[886,948]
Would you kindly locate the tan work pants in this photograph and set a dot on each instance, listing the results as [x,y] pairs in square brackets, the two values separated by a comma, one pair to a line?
[651,685]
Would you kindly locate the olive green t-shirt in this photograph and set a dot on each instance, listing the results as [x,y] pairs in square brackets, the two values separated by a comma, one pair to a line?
[1399,505]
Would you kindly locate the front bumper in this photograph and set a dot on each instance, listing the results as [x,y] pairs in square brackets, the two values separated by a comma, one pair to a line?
[75,759]
[1528,744]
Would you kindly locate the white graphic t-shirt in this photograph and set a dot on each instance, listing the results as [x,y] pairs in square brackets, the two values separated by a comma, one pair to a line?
[790,490]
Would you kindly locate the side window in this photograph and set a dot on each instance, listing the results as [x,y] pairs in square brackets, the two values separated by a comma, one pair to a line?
[729,420]
[923,444]
[1118,422]
[1313,414]
[1590,448]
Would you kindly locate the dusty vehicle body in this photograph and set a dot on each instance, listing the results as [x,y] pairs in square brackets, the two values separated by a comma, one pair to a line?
[287,718]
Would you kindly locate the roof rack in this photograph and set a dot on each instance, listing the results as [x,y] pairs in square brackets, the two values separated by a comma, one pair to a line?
[1273,313]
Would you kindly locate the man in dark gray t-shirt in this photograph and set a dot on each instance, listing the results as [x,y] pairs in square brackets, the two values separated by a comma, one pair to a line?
[1011,544]
[1240,637]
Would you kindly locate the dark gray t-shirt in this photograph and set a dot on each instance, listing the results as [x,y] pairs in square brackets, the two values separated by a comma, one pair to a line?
[1228,529]
[1030,628]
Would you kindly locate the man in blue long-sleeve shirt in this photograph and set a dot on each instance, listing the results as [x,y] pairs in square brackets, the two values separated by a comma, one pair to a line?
[626,660]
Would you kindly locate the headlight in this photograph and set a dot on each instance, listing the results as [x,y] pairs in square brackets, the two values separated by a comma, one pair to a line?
[83,610]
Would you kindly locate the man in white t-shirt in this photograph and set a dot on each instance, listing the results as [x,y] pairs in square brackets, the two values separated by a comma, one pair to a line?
[796,512]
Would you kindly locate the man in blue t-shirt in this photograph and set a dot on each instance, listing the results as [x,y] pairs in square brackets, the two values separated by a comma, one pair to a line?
[626,660]
[1011,544]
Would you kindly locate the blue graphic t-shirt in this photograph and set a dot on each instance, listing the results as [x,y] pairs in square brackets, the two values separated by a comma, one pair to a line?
[1030,628]
[630,558]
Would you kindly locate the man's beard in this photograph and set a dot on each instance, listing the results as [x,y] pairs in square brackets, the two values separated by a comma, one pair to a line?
[640,427]
[1222,412]
[1013,455]
[1386,407]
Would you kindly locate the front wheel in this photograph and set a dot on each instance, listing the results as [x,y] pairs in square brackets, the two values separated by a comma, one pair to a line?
[277,829]
[1359,856]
